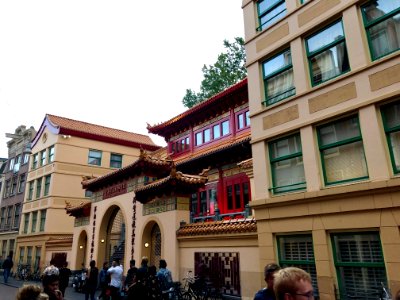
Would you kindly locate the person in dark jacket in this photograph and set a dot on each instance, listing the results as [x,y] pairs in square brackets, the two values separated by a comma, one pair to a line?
[91,281]
[138,290]
[267,293]
[65,273]
[7,266]
[104,279]
[50,281]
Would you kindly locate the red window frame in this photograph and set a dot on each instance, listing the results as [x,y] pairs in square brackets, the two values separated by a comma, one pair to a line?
[175,147]
[211,128]
[242,114]
[207,206]
[235,196]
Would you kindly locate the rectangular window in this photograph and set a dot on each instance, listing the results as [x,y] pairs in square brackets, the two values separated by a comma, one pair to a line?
[43,158]
[21,254]
[239,121]
[35,161]
[237,189]
[3,217]
[38,254]
[94,157]
[359,264]
[115,161]
[242,120]
[287,167]
[11,245]
[225,128]
[269,12]
[14,185]
[21,183]
[51,154]
[17,212]
[203,202]
[29,255]
[17,163]
[11,165]
[247,118]
[26,222]
[297,251]
[199,138]
[26,158]
[38,187]
[42,219]
[391,123]
[7,188]
[30,191]
[88,193]
[4,248]
[34,221]
[46,185]
[327,54]
[342,151]
[207,135]
[216,131]
[278,78]
[9,216]
[382,24]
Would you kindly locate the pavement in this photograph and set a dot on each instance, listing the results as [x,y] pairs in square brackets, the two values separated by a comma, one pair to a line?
[9,291]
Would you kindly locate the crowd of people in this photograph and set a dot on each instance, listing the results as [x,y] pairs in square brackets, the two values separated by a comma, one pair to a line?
[144,283]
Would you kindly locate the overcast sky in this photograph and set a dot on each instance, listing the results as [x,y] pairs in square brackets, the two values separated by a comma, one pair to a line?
[113,63]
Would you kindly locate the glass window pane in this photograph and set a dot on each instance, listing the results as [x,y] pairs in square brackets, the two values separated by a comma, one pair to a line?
[266,4]
[273,15]
[385,36]
[207,135]
[246,193]
[277,63]
[280,87]
[287,146]
[391,115]
[225,128]
[395,149]
[376,9]
[216,131]
[237,196]
[345,162]
[193,203]
[288,175]
[339,131]
[240,121]
[229,193]
[247,118]
[199,138]
[203,203]
[325,37]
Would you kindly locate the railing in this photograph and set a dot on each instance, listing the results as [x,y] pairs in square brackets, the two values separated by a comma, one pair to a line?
[218,216]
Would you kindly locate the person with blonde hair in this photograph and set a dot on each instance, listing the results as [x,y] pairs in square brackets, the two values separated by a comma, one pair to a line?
[292,283]
[31,292]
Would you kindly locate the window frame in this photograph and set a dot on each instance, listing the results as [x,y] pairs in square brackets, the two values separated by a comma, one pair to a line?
[210,209]
[260,14]
[210,127]
[42,158]
[35,161]
[17,214]
[114,160]
[388,131]
[232,181]
[34,221]
[51,153]
[47,181]
[324,48]
[42,220]
[242,114]
[291,91]
[344,142]
[92,158]
[38,187]
[272,161]
[175,146]
[26,222]
[21,183]
[338,265]
[370,24]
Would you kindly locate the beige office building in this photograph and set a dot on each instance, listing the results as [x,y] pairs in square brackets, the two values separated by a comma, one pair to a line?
[324,96]
[65,152]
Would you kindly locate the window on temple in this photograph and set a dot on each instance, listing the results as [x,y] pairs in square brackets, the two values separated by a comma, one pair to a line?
[297,251]
[278,78]
[382,24]
[203,202]
[342,151]
[242,120]
[287,168]
[359,264]
[327,54]
[182,145]
[237,194]
[391,124]
[115,161]
[213,132]
[269,12]
[94,157]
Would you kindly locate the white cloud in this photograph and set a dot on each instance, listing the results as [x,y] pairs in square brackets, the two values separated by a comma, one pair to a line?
[113,63]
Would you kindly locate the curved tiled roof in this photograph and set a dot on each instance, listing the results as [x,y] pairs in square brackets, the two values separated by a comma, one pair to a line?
[145,161]
[219,227]
[198,108]
[91,131]
[74,210]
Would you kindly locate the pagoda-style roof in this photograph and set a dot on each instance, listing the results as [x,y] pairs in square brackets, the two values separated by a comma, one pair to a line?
[78,210]
[65,126]
[146,163]
[175,182]
[229,149]
[233,96]
[233,226]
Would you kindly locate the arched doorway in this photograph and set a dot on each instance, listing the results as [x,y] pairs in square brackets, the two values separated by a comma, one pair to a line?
[112,236]
[81,259]
[152,243]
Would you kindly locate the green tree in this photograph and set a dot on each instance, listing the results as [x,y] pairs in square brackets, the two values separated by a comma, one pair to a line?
[229,69]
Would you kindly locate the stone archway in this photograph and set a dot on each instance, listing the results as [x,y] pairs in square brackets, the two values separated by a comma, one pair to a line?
[112,236]
[152,243]
[81,253]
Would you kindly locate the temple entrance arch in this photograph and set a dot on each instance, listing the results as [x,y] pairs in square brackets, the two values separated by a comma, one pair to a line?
[81,259]
[152,243]
[111,242]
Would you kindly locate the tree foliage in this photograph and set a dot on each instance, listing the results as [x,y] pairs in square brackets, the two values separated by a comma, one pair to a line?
[228,69]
